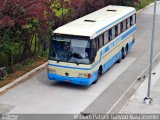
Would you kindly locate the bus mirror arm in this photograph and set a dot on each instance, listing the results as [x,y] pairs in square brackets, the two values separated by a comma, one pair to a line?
[93,58]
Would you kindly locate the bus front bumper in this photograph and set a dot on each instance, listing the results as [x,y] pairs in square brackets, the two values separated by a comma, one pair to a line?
[74,80]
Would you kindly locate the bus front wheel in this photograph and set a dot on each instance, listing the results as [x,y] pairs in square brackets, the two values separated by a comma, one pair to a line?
[98,75]
[124,53]
[127,48]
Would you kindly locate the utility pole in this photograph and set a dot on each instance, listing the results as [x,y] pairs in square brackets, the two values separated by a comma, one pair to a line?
[148,99]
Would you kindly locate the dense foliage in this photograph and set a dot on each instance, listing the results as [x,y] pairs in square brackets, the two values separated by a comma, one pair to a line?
[23,23]
[26,25]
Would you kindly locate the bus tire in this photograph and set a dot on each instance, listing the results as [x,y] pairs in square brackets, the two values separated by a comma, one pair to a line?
[119,60]
[127,48]
[99,74]
[124,53]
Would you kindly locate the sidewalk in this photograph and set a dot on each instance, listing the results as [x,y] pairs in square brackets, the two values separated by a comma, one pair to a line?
[136,104]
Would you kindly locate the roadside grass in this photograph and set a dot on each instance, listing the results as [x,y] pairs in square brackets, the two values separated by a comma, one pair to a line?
[142,4]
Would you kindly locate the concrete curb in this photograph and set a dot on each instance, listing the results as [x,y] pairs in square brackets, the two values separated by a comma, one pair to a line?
[23,77]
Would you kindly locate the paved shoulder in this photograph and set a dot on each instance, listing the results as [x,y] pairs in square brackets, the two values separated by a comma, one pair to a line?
[136,104]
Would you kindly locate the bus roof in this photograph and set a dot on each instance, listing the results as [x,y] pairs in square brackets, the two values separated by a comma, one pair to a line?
[97,22]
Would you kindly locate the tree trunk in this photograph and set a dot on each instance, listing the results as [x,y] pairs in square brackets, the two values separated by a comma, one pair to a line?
[10,61]
[35,43]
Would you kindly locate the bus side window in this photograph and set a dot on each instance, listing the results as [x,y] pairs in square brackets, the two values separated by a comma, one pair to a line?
[119,29]
[128,22]
[113,32]
[116,30]
[94,49]
[101,41]
[124,25]
[131,20]
[106,37]
[134,19]
[97,43]
[110,34]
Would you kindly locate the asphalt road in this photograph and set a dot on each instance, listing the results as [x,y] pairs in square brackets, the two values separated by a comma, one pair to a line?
[39,95]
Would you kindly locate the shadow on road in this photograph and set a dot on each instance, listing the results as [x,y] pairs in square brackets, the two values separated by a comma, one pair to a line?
[43,79]
[68,85]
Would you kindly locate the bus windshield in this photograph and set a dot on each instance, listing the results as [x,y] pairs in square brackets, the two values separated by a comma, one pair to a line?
[70,50]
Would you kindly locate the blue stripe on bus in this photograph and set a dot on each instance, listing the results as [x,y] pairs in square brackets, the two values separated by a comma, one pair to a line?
[115,21]
[111,62]
[121,38]
[125,35]
[95,64]
[129,32]
[69,67]
[74,80]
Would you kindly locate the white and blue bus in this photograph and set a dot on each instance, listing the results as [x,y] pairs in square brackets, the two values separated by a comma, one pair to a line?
[82,50]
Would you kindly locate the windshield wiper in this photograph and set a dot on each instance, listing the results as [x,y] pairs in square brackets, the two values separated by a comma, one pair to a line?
[77,63]
[76,55]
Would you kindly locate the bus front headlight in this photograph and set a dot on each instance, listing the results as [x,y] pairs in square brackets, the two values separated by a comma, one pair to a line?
[51,71]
